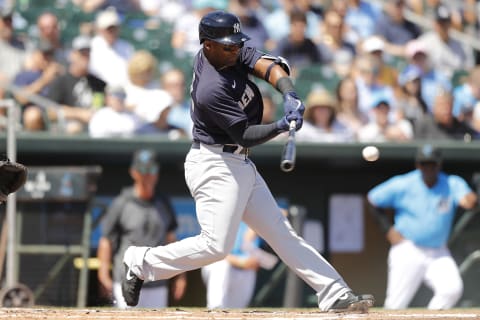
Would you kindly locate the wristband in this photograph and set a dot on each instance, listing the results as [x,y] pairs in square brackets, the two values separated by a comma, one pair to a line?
[285,85]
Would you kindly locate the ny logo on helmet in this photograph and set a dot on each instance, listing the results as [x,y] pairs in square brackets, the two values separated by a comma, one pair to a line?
[236,28]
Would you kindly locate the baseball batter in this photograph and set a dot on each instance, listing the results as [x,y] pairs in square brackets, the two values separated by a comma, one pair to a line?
[425,201]
[225,184]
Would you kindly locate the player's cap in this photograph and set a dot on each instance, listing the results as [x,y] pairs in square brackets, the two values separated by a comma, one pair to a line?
[145,162]
[107,18]
[428,153]
[81,43]
[410,73]
[380,99]
[6,11]
[415,47]
[222,27]
[319,98]
[373,44]
[443,13]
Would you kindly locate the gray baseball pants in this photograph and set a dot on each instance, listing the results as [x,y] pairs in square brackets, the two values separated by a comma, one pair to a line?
[227,188]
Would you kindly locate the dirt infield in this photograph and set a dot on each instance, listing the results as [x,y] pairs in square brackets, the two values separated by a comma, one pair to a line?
[200,314]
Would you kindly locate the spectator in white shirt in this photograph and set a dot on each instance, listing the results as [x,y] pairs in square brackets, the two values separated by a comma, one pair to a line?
[144,97]
[382,127]
[114,119]
[109,54]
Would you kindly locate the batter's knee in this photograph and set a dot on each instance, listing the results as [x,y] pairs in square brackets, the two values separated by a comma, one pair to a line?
[212,251]
[217,254]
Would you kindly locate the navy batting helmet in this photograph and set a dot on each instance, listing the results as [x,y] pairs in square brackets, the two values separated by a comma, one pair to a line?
[222,27]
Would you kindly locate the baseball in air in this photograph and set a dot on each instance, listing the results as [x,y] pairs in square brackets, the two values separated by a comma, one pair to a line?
[370,153]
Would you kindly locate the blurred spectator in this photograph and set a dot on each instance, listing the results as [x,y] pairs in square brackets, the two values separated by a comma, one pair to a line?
[166,10]
[331,39]
[144,97]
[365,74]
[394,29]
[114,119]
[442,125]
[446,54]
[49,31]
[12,49]
[360,18]
[278,21]
[251,24]
[432,80]
[173,82]
[466,96]
[321,124]
[299,50]
[374,46]
[471,21]
[121,6]
[342,64]
[109,54]
[476,117]
[77,92]
[340,7]
[381,128]
[185,39]
[39,72]
[349,113]
[427,9]
[411,105]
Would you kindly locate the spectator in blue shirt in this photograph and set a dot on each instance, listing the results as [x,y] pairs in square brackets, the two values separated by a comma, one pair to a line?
[432,80]
[466,96]
[296,47]
[360,18]
[394,29]
[251,24]
[424,202]
[41,69]
[278,21]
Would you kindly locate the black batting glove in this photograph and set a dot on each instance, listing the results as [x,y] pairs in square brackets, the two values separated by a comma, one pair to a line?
[291,102]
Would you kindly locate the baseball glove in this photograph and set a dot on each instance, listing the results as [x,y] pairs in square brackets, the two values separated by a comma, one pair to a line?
[12,177]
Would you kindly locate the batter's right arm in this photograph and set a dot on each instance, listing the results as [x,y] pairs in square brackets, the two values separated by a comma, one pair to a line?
[275,71]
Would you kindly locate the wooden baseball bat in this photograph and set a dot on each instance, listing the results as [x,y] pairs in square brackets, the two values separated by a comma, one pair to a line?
[289,151]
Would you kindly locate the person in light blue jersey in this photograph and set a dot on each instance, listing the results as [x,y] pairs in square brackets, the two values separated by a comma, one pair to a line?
[424,201]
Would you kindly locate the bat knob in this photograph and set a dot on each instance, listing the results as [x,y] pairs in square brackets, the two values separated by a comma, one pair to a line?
[286,165]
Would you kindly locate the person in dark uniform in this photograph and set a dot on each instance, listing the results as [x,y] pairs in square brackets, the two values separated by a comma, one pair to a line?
[227,188]
[138,216]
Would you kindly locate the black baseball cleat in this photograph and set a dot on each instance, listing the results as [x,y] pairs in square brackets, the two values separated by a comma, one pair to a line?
[349,302]
[131,285]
